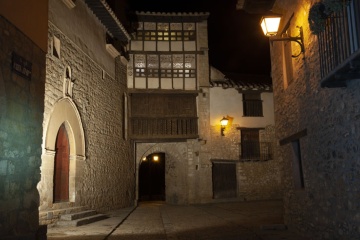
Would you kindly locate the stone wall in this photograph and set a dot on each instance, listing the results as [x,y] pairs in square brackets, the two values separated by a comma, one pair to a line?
[256,180]
[107,171]
[21,112]
[328,205]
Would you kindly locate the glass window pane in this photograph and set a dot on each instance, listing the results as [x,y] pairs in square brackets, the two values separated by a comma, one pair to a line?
[178,61]
[139,61]
[152,61]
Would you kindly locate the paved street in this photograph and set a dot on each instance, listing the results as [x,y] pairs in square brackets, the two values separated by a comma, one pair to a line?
[159,221]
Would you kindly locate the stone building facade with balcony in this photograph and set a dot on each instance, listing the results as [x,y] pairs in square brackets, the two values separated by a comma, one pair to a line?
[316,110]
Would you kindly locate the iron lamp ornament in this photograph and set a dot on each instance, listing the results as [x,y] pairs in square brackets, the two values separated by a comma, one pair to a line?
[223,122]
[270,26]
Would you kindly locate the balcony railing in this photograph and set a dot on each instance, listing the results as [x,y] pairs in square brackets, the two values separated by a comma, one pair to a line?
[163,128]
[256,151]
[339,47]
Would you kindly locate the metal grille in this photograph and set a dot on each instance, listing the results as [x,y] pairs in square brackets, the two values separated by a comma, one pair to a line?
[256,151]
[341,37]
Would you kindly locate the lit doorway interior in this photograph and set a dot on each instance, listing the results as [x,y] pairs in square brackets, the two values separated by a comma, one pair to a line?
[61,168]
[152,178]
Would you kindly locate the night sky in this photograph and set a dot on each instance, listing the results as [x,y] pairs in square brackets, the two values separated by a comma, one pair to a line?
[236,43]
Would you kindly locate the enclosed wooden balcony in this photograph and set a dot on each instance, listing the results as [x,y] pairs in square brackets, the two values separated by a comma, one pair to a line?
[163,116]
[339,47]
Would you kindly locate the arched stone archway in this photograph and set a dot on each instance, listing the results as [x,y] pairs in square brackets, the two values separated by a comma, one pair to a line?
[64,113]
[176,168]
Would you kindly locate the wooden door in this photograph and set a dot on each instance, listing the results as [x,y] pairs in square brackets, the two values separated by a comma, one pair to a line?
[224,179]
[61,167]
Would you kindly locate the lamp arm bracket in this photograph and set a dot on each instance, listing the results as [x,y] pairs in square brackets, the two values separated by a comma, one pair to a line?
[299,40]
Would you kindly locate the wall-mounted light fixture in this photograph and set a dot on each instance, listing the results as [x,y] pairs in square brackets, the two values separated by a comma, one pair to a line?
[156,158]
[223,122]
[270,26]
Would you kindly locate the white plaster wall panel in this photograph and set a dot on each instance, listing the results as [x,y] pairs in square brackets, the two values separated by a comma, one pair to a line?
[140,83]
[166,83]
[176,46]
[88,33]
[225,102]
[136,45]
[163,46]
[153,83]
[190,84]
[178,83]
[149,46]
[189,46]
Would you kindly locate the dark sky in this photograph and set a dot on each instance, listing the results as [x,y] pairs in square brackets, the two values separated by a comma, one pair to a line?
[236,43]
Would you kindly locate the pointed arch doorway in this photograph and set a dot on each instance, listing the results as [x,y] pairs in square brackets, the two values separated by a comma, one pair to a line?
[62,166]
[152,178]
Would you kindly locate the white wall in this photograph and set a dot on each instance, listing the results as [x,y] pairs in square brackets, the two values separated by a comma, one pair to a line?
[228,102]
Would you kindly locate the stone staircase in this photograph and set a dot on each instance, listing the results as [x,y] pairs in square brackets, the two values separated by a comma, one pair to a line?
[79,218]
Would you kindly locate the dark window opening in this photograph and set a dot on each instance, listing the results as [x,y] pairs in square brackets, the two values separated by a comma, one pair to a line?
[252,105]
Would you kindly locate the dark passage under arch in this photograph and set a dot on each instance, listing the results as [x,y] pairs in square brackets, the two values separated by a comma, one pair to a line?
[152,178]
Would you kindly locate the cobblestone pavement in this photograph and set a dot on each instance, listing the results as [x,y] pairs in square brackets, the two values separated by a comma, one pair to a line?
[260,220]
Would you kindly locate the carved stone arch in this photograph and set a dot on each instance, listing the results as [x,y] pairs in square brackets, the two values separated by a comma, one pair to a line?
[175,168]
[64,112]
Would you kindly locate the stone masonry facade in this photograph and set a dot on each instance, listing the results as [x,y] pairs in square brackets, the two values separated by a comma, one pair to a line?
[327,207]
[107,171]
[256,180]
[21,113]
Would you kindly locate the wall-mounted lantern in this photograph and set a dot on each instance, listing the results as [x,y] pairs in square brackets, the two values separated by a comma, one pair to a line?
[223,122]
[155,158]
[270,26]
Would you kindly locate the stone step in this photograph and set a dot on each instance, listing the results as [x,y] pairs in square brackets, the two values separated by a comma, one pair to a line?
[81,221]
[77,215]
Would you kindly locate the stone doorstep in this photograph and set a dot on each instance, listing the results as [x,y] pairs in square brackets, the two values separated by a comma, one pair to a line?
[77,215]
[81,221]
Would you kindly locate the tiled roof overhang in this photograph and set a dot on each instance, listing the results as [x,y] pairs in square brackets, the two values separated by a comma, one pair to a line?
[245,83]
[108,18]
[171,17]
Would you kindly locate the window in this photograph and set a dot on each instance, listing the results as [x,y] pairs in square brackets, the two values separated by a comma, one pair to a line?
[252,105]
[165,65]
[56,47]
[251,148]
[250,144]
[164,32]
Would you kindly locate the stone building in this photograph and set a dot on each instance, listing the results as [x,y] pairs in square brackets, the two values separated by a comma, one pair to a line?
[316,111]
[96,106]
[22,81]
[175,112]
[86,156]
[242,155]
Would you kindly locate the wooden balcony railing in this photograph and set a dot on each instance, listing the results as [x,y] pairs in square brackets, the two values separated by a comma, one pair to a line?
[163,128]
[256,151]
[339,47]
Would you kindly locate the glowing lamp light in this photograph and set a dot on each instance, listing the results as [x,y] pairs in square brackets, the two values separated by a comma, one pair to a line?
[156,158]
[270,25]
[223,122]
